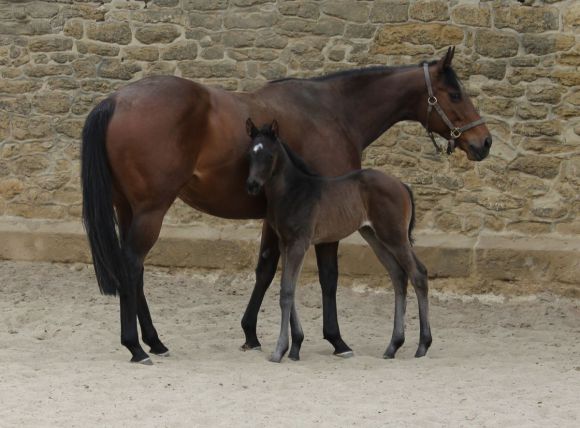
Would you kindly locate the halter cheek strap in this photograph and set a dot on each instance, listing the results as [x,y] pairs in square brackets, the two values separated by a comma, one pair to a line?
[454,131]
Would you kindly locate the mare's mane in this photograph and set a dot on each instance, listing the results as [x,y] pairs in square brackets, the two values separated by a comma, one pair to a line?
[449,74]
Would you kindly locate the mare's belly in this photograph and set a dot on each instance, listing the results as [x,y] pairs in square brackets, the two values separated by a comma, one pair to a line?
[222,196]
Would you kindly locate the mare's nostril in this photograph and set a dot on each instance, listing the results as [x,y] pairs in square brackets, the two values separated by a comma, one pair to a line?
[487,142]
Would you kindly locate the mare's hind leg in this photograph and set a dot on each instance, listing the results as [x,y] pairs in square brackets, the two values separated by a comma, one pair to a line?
[141,236]
[327,261]
[148,331]
[265,271]
[399,279]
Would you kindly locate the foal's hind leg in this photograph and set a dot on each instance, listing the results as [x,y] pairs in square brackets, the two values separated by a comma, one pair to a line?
[327,260]
[265,271]
[420,284]
[399,279]
[418,276]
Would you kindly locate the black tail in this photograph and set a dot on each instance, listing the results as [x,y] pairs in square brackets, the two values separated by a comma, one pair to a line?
[98,213]
[412,223]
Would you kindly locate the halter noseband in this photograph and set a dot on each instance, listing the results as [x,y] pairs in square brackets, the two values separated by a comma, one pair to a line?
[454,131]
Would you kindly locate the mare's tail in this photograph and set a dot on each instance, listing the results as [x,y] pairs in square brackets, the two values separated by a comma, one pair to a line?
[412,222]
[98,213]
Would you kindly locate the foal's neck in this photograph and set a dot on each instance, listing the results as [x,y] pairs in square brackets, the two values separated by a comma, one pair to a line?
[286,175]
[372,102]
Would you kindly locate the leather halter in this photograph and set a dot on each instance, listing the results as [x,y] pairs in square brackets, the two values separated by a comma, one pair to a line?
[454,131]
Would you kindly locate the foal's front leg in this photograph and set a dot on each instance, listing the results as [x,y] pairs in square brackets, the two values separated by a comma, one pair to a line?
[292,259]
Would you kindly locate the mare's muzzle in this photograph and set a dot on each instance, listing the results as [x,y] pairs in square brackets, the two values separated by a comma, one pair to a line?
[253,187]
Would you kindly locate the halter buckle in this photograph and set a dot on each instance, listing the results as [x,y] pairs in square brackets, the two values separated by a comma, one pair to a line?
[432,100]
[455,133]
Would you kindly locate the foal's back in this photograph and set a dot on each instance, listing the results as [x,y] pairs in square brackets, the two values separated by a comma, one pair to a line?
[362,198]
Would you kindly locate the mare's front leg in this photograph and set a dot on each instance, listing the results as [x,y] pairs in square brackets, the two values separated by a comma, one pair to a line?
[327,261]
[292,259]
[265,271]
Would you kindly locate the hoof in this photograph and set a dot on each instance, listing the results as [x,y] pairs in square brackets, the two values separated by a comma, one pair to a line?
[159,349]
[345,354]
[163,354]
[275,358]
[294,357]
[246,347]
[388,356]
[420,353]
[145,361]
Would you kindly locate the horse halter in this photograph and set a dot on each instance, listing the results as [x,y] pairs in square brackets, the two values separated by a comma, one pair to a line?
[455,131]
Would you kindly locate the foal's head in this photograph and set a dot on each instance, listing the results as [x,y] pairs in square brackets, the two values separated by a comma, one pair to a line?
[456,104]
[264,152]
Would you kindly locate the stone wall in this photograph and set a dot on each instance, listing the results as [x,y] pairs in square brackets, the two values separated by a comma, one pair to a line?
[519,62]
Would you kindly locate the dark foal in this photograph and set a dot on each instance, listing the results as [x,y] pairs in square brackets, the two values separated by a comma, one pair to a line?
[306,209]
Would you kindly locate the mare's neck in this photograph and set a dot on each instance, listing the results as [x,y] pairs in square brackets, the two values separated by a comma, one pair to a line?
[370,103]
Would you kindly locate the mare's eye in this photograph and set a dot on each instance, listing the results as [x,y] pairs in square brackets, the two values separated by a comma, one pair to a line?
[455,96]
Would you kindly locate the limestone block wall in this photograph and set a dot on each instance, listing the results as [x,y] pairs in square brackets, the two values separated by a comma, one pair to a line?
[518,60]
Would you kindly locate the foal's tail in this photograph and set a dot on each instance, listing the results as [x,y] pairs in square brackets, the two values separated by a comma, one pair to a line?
[412,222]
[98,213]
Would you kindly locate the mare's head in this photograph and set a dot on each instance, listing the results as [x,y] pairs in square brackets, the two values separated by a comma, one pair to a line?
[263,154]
[448,93]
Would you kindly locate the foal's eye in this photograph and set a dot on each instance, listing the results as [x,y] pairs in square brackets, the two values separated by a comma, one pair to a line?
[455,96]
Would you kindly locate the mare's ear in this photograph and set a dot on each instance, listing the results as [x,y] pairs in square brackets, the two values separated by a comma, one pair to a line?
[251,129]
[274,128]
[445,62]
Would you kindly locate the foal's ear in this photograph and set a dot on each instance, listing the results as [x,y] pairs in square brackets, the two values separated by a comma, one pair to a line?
[251,129]
[274,128]
[445,62]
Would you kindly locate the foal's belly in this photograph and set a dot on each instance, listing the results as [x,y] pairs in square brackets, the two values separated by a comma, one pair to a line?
[339,216]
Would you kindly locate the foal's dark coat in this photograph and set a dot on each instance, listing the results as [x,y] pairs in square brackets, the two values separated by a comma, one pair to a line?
[305,209]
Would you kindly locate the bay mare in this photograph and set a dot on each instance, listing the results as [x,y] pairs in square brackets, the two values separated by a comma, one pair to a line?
[161,138]
[305,208]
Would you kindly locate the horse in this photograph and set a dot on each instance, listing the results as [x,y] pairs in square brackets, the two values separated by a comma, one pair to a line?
[164,137]
[305,208]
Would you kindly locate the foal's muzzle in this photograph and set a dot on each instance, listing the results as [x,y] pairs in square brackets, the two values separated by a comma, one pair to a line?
[253,187]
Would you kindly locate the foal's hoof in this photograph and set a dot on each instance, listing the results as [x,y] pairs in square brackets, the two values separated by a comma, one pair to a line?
[246,347]
[345,354]
[145,361]
[421,351]
[389,355]
[163,354]
[275,358]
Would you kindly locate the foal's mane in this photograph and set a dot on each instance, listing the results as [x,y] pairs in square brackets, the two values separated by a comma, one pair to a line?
[297,161]
[449,74]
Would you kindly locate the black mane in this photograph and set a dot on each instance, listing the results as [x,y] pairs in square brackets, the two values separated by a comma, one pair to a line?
[449,74]
[297,161]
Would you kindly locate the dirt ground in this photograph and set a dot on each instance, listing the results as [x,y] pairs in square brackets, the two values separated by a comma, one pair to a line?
[494,361]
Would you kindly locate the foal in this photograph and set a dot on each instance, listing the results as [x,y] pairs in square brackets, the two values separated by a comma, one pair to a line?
[304,209]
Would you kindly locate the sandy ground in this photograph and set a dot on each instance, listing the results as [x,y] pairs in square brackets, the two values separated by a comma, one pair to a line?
[494,361]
